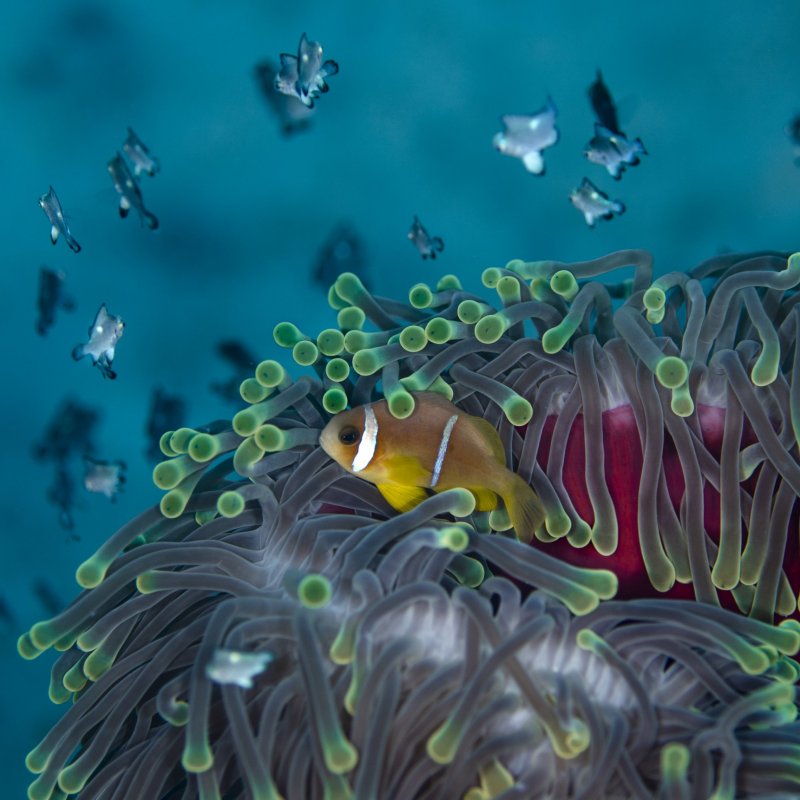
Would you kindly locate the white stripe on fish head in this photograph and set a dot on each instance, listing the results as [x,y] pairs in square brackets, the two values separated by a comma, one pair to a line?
[369,441]
[437,467]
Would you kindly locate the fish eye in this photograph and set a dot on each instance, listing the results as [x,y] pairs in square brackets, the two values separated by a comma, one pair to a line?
[349,435]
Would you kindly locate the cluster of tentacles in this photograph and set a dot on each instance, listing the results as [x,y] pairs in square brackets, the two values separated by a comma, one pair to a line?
[431,654]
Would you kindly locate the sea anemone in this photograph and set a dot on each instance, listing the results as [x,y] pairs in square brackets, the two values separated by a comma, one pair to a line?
[431,654]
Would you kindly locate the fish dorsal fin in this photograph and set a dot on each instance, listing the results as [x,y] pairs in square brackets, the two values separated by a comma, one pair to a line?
[490,435]
[405,470]
[400,497]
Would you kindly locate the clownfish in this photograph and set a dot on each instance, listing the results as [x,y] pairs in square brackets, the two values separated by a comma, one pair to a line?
[437,447]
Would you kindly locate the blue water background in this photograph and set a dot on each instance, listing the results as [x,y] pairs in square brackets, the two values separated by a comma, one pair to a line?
[406,129]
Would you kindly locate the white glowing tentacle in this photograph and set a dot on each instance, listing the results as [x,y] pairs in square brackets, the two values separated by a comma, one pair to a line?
[437,467]
[369,441]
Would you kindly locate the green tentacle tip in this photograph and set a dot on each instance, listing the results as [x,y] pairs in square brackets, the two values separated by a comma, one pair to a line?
[448,282]
[420,296]
[91,572]
[563,283]
[340,756]
[490,277]
[270,374]
[654,299]
[351,318]
[305,353]
[518,410]
[765,370]
[603,582]
[401,404]
[251,391]
[26,648]
[246,421]
[337,369]
[314,591]
[674,761]
[681,403]
[439,330]
[558,523]
[97,663]
[230,504]
[442,744]
[147,582]
[655,317]
[74,680]
[469,311]
[334,400]
[180,439]
[554,339]
[270,438]
[367,362]
[168,474]
[203,447]
[341,651]
[330,342]
[36,760]
[164,446]
[508,288]
[413,339]
[467,571]
[572,741]
[490,328]
[287,334]
[349,287]
[334,301]
[453,537]
[173,503]
[672,372]
[462,502]
[73,778]
[43,635]
[587,639]
[197,758]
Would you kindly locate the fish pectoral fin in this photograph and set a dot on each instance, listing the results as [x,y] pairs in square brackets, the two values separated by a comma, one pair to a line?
[485,499]
[401,497]
[533,162]
[54,234]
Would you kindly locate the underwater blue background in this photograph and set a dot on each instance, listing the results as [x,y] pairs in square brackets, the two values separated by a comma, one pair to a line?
[406,129]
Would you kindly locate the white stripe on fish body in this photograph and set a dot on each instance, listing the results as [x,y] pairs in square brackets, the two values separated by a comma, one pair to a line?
[369,441]
[437,467]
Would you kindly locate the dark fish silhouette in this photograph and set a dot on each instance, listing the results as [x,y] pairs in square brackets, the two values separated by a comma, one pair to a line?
[50,297]
[342,251]
[167,413]
[603,104]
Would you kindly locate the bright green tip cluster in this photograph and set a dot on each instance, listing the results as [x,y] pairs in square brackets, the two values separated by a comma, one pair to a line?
[230,504]
[413,339]
[314,591]
[270,374]
[563,283]
[672,372]
[420,296]
[490,328]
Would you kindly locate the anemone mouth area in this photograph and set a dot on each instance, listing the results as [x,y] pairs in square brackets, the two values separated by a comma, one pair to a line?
[634,651]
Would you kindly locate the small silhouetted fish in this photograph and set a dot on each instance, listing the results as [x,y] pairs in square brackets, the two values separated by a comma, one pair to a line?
[525,136]
[342,251]
[51,206]
[426,244]
[793,132]
[292,114]
[234,667]
[50,297]
[46,595]
[603,104]
[7,616]
[303,76]
[104,333]
[243,362]
[61,494]
[130,195]
[613,150]
[139,155]
[593,203]
[167,413]
[68,433]
[103,477]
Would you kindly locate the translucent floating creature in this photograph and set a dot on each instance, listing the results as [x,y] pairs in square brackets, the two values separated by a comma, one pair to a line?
[130,195]
[427,246]
[50,297]
[594,204]
[525,136]
[292,114]
[303,76]
[103,477]
[104,333]
[613,151]
[138,154]
[50,204]
[234,667]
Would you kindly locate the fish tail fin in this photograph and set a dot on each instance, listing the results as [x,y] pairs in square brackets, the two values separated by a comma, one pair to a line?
[73,245]
[639,146]
[151,220]
[78,352]
[438,243]
[619,207]
[524,507]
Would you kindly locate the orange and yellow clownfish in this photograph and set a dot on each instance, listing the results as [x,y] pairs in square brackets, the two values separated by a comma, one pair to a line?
[437,447]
